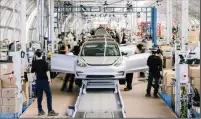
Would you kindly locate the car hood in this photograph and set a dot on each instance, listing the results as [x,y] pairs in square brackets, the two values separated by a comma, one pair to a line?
[129,49]
[98,61]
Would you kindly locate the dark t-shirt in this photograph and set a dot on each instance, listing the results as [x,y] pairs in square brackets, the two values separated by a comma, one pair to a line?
[155,65]
[76,50]
[40,68]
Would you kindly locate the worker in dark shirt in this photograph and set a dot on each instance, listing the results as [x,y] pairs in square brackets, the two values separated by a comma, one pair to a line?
[154,63]
[70,77]
[140,50]
[40,68]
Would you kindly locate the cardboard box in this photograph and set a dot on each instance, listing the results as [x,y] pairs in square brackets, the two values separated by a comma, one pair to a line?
[8,81]
[9,109]
[195,81]
[9,101]
[3,69]
[9,92]
[194,71]
[6,68]
[167,62]
[167,77]
[193,36]
[1,101]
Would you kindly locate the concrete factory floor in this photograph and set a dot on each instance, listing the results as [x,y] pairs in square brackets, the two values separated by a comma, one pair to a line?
[136,104]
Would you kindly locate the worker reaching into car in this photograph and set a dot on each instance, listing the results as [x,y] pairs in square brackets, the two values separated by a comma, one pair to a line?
[154,63]
[40,68]
[129,77]
[62,76]
[70,77]
[139,51]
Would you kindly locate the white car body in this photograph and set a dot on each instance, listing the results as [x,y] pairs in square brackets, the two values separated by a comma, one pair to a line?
[101,67]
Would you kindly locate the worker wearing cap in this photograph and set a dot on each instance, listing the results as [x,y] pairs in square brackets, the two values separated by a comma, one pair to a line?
[154,63]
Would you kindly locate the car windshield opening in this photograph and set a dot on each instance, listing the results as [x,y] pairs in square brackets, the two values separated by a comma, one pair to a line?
[100,49]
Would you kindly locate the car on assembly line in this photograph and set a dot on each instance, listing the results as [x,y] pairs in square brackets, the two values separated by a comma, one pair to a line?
[101,58]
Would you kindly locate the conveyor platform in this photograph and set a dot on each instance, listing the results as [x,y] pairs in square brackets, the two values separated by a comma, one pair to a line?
[99,99]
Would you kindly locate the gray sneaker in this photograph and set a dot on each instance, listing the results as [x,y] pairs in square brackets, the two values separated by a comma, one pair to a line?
[53,113]
[41,113]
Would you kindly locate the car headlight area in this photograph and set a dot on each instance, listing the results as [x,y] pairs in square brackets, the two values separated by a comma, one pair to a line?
[119,62]
[81,63]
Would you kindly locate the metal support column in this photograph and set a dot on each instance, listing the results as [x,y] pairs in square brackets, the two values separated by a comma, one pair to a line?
[38,21]
[146,24]
[184,24]
[14,28]
[177,75]
[52,34]
[169,21]
[41,21]
[18,63]
[51,23]
[154,25]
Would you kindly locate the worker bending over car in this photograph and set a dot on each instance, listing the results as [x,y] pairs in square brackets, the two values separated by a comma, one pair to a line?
[154,63]
[40,68]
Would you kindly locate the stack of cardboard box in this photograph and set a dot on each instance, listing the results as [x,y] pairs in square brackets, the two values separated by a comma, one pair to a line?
[9,101]
[167,81]
[194,74]
[8,90]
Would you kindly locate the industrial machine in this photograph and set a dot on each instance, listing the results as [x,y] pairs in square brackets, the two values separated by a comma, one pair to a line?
[185,96]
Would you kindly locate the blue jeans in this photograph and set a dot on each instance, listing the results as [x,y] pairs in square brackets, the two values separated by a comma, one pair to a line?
[43,85]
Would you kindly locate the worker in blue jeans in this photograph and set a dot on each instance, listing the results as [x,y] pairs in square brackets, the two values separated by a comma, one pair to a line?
[40,68]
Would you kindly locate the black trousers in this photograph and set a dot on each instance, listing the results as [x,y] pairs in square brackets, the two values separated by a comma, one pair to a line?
[25,77]
[43,85]
[129,80]
[156,84]
[66,79]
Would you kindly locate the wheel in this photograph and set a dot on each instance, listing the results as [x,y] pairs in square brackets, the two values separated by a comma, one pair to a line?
[78,82]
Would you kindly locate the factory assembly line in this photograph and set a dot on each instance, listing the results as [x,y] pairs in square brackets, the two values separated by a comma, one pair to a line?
[100,59]
[99,93]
